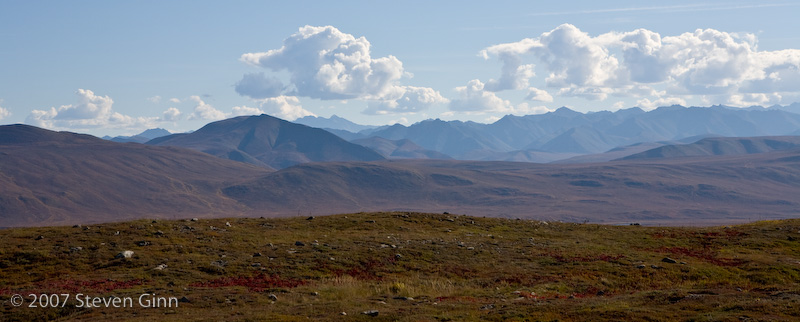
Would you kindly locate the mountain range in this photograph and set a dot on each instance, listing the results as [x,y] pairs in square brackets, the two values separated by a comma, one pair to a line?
[269,142]
[565,133]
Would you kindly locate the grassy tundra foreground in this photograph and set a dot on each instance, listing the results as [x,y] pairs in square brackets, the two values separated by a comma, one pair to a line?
[405,267]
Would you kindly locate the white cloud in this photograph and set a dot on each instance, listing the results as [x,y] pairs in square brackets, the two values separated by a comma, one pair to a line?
[325,63]
[155,99]
[411,100]
[256,85]
[647,104]
[171,115]
[703,62]
[535,94]
[174,100]
[285,107]
[90,112]
[4,113]
[244,110]
[474,99]
[204,111]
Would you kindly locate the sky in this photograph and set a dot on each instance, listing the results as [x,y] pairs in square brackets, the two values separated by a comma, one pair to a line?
[120,67]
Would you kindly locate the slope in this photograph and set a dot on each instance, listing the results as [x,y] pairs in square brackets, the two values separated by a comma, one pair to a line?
[56,178]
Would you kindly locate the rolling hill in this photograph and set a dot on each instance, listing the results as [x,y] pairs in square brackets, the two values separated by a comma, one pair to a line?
[399,149]
[269,142]
[59,178]
[719,189]
[720,146]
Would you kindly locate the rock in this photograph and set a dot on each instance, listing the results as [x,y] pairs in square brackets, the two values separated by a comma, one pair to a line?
[125,254]
[76,226]
[272,297]
[370,313]
[153,222]
[40,237]
[655,267]
[668,260]
[404,298]
[184,300]
[160,267]
[227,224]
[342,313]
[75,249]
[257,255]
[398,256]
[143,243]
[370,221]
[640,266]
[299,243]
[310,218]
[450,219]
[116,233]
[194,219]
[315,293]
[159,233]
[255,264]
[487,307]
[470,248]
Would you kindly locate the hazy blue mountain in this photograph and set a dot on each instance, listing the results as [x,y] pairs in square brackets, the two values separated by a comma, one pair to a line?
[268,141]
[400,149]
[143,137]
[721,146]
[332,123]
[568,132]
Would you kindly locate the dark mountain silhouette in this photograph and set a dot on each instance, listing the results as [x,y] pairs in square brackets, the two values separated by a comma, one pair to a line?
[59,178]
[268,141]
[721,146]
[399,149]
[569,132]
[706,190]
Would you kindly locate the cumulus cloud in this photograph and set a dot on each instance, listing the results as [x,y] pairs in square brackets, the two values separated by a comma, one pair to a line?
[473,98]
[4,113]
[647,104]
[204,111]
[703,62]
[245,110]
[411,100]
[155,99]
[285,107]
[535,94]
[89,112]
[325,63]
[171,115]
[257,85]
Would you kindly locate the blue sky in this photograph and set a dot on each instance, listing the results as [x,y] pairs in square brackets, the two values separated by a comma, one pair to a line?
[119,67]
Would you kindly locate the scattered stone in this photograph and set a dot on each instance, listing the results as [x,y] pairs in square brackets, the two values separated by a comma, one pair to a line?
[445,213]
[76,226]
[404,298]
[398,256]
[160,267]
[159,233]
[40,237]
[86,228]
[219,263]
[683,263]
[195,219]
[739,289]
[153,222]
[227,224]
[75,249]
[487,307]
[640,266]
[470,248]
[315,293]
[310,218]
[600,293]
[255,264]
[143,243]
[184,300]
[257,255]
[655,266]
[668,260]
[342,313]
[450,219]
[370,313]
[370,221]
[299,243]
[116,233]
[125,254]
[272,297]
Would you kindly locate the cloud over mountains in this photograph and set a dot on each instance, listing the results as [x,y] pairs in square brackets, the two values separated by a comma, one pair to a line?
[720,67]
[325,63]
